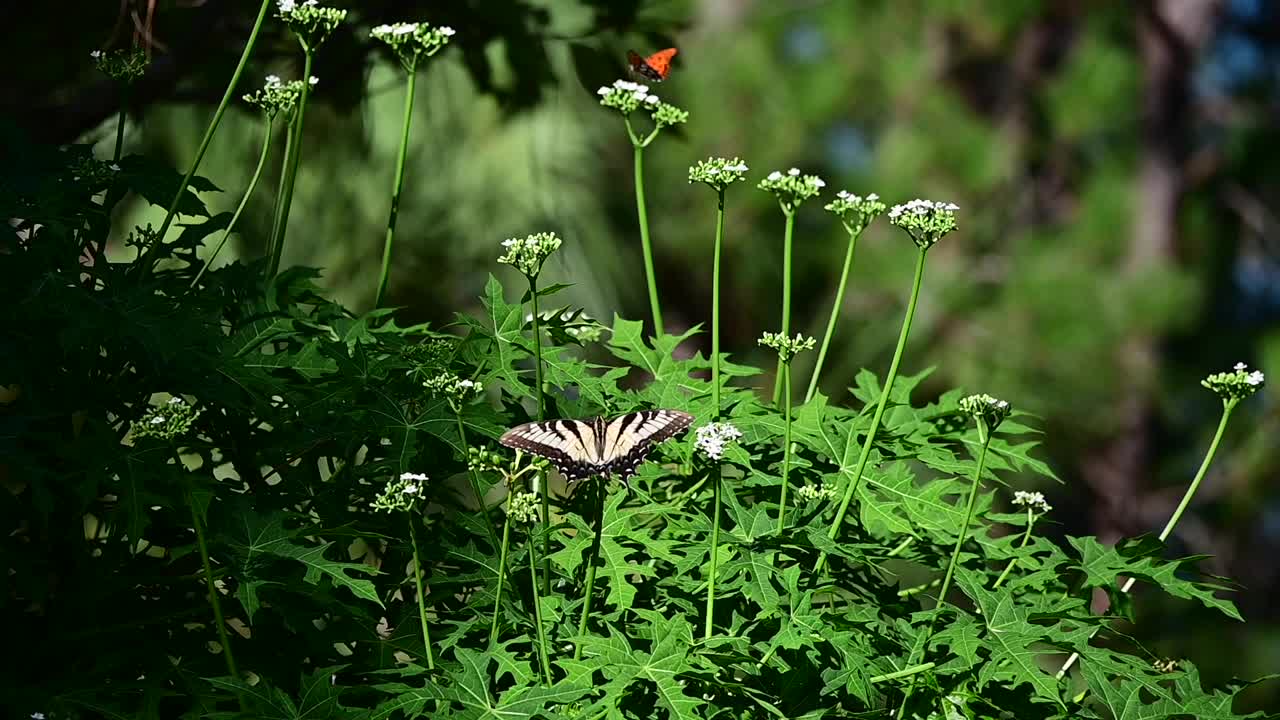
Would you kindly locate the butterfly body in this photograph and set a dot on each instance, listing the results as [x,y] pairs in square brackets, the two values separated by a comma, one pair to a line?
[598,446]
[654,68]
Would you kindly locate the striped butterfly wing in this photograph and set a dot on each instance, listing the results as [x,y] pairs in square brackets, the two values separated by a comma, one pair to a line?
[570,445]
[627,439]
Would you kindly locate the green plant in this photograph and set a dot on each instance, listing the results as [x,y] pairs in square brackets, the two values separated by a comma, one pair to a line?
[224,555]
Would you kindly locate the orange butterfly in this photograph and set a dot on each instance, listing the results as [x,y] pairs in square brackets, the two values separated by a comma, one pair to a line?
[654,68]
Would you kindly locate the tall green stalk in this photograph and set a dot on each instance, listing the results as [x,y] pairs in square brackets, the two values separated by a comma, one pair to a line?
[214,603]
[124,104]
[869,441]
[497,598]
[715,309]
[715,550]
[786,296]
[1026,537]
[592,557]
[289,171]
[422,598]
[835,315]
[1227,407]
[396,188]
[149,254]
[544,492]
[786,445]
[655,307]
[244,200]
[544,649]
[475,483]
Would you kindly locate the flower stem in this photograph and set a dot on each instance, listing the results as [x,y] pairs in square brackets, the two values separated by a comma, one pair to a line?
[984,436]
[544,492]
[208,136]
[396,188]
[544,650]
[497,599]
[1227,407]
[786,295]
[592,557]
[835,315]
[475,486]
[1026,537]
[786,445]
[654,306]
[124,104]
[214,603]
[244,200]
[422,600]
[293,157]
[715,549]
[856,478]
[715,321]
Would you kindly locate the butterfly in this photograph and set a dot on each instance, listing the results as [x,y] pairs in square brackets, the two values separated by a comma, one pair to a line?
[598,446]
[654,68]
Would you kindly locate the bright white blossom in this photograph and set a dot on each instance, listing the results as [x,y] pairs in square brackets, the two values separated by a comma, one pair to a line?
[792,189]
[786,347]
[527,254]
[1032,500]
[413,41]
[855,212]
[626,97]
[925,221]
[1236,385]
[712,439]
[401,493]
[719,173]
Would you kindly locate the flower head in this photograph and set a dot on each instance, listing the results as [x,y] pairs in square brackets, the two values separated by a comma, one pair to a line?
[1236,385]
[855,212]
[791,188]
[413,41]
[926,221]
[787,347]
[527,254]
[712,439]
[1033,501]
[275,97]
[123,66]
[522,507]
[987,411]
[626,97]
[816,493]
[166,422]
[453,388]
[401,493]
[430,354]
[718,173]
[310,22]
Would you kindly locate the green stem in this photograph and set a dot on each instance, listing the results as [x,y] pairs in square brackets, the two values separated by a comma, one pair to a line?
[715,314]
[654,307]
[786,295]
[124,103]
[244,200]
[917,589]
[831,321]
[497,599]
[475,484]
[1227,407]
[292,159]
[1026,537]
[422,598]
[214,603]
[592,557]
[904,672]
[149,254]
[856,479]
[715,550]
[544,650]
[544,491]
[984,436]
[396,188]
[284,167]
[786,445]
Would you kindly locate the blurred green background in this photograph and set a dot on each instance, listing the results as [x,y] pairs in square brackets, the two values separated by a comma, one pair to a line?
[1115,165]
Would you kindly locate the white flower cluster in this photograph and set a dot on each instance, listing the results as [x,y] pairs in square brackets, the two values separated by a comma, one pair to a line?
[926,221]
[453,388]
[275,96]
[528,253]
[1032,500]
[310,22]
[626,96]
[712,439]
[522,507]
[412,41]
[855,212]
[1236,385]
[401,493]
[786,347]
[166,422]
[719,173]
[792,188]
[986,410]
